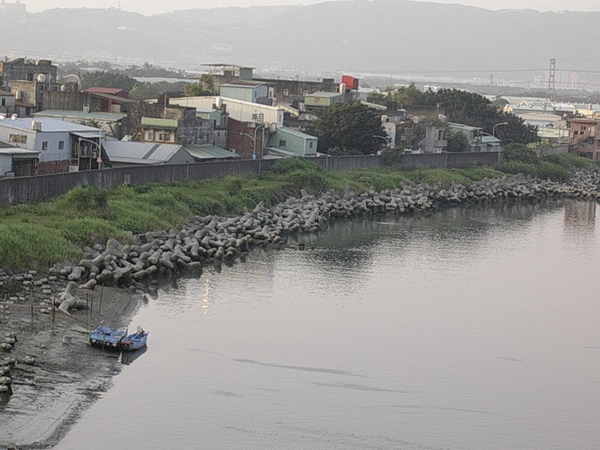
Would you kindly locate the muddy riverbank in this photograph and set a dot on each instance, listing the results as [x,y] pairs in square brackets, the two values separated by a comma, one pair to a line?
[55,374]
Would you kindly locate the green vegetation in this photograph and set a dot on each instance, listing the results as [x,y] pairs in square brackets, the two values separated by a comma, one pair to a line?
[470,109]
[37,235]
[349,129]
[520,159]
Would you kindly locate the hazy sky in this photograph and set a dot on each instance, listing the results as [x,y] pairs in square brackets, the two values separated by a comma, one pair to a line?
[148,7]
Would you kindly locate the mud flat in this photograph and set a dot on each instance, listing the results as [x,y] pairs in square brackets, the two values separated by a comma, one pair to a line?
[54,373]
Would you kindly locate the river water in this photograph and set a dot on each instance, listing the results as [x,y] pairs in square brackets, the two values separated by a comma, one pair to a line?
[470,328]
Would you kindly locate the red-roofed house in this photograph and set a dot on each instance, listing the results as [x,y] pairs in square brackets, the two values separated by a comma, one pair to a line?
[109,91]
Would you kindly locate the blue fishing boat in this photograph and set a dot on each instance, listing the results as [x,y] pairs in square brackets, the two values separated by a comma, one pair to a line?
[106,337]
[135,341]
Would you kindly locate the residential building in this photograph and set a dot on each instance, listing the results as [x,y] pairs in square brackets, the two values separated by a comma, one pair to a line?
[289,142]
[177,125]
[89,100]
[478,141]
[236,109]
[7,103]
[247,139]
[219,119]
[17,162]
[123,153]
[29,81]
[585,138]
[320,100]
[285,90]
[21,69]
[110,123]
[62,146]
[261,93]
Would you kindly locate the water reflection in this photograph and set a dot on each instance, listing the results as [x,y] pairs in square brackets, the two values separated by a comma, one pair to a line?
[580,215]
[128,357]
[471,328]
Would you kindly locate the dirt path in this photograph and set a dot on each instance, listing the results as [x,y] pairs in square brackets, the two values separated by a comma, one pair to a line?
[51,393]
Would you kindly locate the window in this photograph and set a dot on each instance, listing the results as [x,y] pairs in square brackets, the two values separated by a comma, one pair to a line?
[282,143]
[310,144]
[61,145]
[149,135]
[3,102]
[45,145]
[18,138]
[286,92]
[304,92]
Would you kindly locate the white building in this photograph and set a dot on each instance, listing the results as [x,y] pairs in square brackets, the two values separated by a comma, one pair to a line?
[63,146]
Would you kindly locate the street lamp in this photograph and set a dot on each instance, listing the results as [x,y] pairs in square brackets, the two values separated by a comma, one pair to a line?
[497,125]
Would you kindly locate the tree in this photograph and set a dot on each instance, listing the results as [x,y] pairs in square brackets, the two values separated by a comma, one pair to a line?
[204,86]
[457,142]
[405,95]
[352,127]
[520,153]
[107,79]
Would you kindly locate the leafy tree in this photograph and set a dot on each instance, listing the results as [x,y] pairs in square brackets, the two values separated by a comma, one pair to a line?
[107,79]
[204,86]
[352,127]
[405,95]
[457,142]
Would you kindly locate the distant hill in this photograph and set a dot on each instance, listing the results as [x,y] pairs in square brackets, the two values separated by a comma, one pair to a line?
[228,15]
[361,37]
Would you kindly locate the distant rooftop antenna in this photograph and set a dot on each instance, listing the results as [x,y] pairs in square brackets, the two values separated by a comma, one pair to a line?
[551,93]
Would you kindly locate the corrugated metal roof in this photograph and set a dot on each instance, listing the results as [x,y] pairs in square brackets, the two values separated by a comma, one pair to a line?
[154,122]
[88,134]
[209,152]
[325,94]
[296,133]
[94,115]
[18,151]
[282,151]
[374,105]
[48,125]
[140,152]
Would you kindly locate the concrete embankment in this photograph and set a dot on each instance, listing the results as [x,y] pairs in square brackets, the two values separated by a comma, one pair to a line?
[213,239]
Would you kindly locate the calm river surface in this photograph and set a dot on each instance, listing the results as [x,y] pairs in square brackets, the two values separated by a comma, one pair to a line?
[471,328]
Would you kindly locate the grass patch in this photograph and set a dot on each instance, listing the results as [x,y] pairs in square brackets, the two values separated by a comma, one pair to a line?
[33,247]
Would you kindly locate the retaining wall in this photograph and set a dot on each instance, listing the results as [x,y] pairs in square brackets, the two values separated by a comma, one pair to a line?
[23,189]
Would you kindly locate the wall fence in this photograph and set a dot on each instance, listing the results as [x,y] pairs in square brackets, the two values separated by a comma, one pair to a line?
[24,189]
